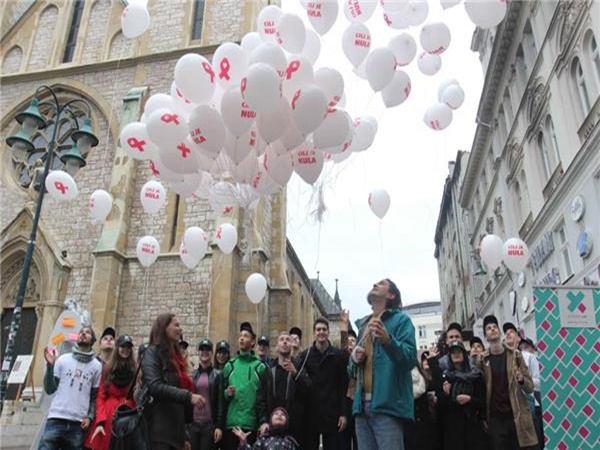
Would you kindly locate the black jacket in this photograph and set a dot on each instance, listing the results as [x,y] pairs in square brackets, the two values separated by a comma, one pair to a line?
[216,392]
[171,405]
[325,401]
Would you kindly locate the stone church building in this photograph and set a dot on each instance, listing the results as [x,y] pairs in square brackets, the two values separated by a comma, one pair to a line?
[77,48]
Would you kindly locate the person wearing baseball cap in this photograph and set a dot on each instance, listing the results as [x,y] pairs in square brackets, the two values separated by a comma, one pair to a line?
[477,347]
[296,337]
[222,355]
[263,349]
[511,335]
[209,419]
[506,377]
[107,345]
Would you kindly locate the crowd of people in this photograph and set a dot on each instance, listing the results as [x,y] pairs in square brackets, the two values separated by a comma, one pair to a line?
[375,392]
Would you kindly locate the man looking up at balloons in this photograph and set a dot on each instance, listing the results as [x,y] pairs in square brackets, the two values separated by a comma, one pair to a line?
[243,377]
[386,347]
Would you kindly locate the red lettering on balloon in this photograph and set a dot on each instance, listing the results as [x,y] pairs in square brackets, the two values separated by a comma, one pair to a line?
[209,70]
[185,151]
[61,187]
[224,66]
[137,144]
[197,137]
[291,68]
[168,118]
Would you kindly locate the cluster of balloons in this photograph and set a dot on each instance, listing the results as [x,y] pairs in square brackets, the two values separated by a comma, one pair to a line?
[514,252]
[450,97]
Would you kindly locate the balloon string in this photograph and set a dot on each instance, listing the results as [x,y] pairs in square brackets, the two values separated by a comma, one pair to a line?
[318,246]
[383,270]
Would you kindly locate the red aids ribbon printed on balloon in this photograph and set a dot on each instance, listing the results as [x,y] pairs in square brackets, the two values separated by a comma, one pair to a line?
[61,187]
[185,151]
[218,234]
[180,95]
[387,20]
[209,70]
[243,85]
[295,99]
[291,68]
[224,66]
[137,144]
[168,118]
[153,168]
[228,210]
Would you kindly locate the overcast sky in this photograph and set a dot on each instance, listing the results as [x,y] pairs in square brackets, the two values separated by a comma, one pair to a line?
[407,159]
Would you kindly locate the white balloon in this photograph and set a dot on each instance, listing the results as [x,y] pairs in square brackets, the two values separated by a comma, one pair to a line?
[196,242]
[266,23]
[61,185]
[244,171]
[429,63]
[278,166]
[435,37]
[136,143]
[356,43]
[159,170]
[230,63]
[291,33]
[516,254]
[491,251]
[238,148]
[100,204]
[180,103]
[226,237]
[299,73]
[380,68]
[262,88]
[237,116]
[308,108]
[188,260]
[195,77]
[379,202]
[262,184]
[361,71]
[180,157]
[270,54]
[394,5]
[397,20]
[486,13]
[364,133]
[449,3]
[359,10]
[404,48]
[308,163]
[416,12]
[272,125]
[166,127]
[453,96]
[147,250]
[189,185]
[312,46]
[333,131]
[256,287]
[332,84]
[135,20]
[397,91]
[153,196]
[293,137]
[250,41]
[438,117]
[158,101]
[207,130]
[443,85]
[322,14]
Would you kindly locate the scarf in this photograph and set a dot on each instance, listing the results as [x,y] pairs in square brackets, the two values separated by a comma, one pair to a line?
[180,364]
[83,357]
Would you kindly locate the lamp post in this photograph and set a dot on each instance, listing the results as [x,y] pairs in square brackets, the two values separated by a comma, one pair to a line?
[83,137]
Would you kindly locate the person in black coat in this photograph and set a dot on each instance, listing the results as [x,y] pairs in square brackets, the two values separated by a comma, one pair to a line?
[462,403]
[164,373]
[209,420]
[325,403]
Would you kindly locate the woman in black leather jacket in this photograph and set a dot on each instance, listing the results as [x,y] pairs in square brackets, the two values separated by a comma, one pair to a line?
[165,374]
[209,419]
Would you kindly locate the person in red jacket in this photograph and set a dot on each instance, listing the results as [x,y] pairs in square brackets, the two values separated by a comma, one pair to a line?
[117,377]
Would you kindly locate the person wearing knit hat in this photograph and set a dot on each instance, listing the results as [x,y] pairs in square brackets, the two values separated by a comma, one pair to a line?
[277,438]
[506,378]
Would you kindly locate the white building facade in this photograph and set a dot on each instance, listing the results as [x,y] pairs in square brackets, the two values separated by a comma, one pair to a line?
[427,320]
[534,165]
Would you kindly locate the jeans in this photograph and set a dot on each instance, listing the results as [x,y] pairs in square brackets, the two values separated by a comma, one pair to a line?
[378,431]
[62,434]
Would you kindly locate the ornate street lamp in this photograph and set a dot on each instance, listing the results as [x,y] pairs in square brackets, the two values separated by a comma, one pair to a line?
[22,145]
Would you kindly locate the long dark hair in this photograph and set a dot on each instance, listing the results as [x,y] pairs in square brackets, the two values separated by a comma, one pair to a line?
[158,336]
[118,363]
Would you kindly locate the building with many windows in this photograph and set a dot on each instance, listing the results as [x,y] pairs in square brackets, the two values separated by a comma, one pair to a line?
[534,165]
[78,48]
[427,320]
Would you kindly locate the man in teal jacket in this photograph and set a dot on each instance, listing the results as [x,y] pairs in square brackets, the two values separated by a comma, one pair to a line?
[381,364]
[243,376]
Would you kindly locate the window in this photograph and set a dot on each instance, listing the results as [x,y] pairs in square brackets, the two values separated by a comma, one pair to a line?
[198,19]
[484,182]
[502,128]
[510,116]
[594,55]
[554,153]
[518,203]
[563,249]
[529,46]
[422,331]
[73,31]
[544,155]
[521,68]
[580,86]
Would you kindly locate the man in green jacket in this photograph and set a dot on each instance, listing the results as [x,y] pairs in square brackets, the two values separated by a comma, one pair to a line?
[382,364]
[243,377]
